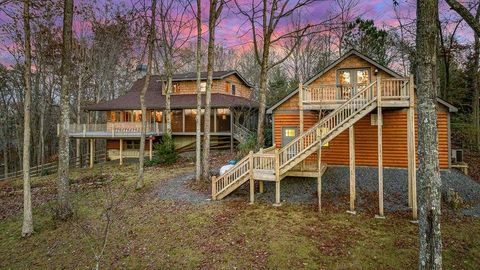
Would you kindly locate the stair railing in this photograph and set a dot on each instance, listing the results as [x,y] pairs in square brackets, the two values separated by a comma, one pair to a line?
[328,124]
[222,182]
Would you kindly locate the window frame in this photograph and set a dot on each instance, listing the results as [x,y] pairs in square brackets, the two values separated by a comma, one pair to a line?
[353,75]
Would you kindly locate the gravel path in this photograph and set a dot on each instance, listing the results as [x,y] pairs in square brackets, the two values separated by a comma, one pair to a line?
[335,187]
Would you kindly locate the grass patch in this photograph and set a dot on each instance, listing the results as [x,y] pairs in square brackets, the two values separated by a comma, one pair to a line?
[150,233]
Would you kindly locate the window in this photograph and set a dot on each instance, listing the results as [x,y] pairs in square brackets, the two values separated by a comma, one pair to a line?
[176,88]
[290,132]
[234,89]
[203,86]
[360,76]
[137,116]
[131,144]
[114,116]
[223,120]
[127,116]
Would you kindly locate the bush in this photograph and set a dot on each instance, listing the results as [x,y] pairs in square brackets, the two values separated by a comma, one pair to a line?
[165,152]
[249,145]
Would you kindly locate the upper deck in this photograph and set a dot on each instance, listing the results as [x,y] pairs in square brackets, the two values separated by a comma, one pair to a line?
[394,93]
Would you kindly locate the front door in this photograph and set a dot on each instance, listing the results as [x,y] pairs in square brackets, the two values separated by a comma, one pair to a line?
[288,134]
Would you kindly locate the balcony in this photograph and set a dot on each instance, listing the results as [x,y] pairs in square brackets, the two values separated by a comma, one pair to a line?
[394,93]
[114,130]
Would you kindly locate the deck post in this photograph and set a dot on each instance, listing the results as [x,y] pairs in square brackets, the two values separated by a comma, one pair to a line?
[121,152]
[150,153]
[300,106]
[252,182]
[91,153]
[214,189]
[412,177]
[379,149]
[231,132]
[277,179]
[319,176]
[351,144]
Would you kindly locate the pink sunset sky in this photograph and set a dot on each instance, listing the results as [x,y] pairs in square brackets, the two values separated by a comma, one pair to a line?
[231,30]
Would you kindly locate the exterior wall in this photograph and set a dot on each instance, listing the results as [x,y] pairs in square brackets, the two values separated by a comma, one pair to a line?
[394,139]
[218,86]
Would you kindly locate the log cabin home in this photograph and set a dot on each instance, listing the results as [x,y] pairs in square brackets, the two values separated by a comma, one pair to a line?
[355,112]
[232,118]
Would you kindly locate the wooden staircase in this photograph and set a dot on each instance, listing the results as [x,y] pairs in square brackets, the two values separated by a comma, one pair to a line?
[241,133]
[275,164]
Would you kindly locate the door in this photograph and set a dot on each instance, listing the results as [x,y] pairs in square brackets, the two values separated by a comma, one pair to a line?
[288,134]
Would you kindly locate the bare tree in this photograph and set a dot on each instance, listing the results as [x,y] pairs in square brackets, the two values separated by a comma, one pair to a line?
[347,10]
[264,18]
[430,252]
[176,28]
[64,209]
[151,48]
[27,227]
[216,7]
[465,14]
[476,83]
[198,116]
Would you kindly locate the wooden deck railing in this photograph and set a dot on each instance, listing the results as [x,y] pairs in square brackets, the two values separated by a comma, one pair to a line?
[392,88]
[113,129]
[241,169]
[52,167]
[241,133]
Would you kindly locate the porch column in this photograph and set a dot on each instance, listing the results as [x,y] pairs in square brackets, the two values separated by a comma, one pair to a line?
[412,165]
[300,106]
[351,143]
[252,182]
[379,149]
[231,129]
[319,176]
[151,149]
[121,152]
[277,179]
[92,154]
[78,153]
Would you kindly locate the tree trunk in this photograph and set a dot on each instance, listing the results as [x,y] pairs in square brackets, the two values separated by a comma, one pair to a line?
[151,48]
[78,150]
[430,254]
[168,105]
[198,116]
[476,85]
[212,21]
[27,227]
[64,209]
[263,101]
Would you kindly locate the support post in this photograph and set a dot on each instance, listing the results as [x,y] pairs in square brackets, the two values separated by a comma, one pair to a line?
[351,144]
[379,149]
[231,132]
[319,176]
[91,153]
[150,153]
[121,151]
[412,165]
[277,179]
[214,188]
[252,182]
[300,106]
[261,187]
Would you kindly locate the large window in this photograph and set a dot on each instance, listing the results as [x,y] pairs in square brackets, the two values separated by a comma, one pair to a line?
[127,116]
[131,144]
[190,120]
[155,116]
[360,76]
[114,116]
[177,121]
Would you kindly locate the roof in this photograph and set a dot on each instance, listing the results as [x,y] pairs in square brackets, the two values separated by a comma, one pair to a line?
[332,65]
[351,52]
[154,99]
[217,75]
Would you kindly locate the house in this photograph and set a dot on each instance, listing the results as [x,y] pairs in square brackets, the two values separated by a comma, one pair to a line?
[233,115]
[355,112]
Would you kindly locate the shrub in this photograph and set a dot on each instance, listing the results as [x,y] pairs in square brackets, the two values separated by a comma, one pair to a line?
[165,152]
[249,145]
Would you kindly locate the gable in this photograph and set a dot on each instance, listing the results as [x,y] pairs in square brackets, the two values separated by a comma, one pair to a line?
[352,59]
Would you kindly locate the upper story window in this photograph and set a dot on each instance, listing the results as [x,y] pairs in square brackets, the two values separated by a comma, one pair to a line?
[175,88]
[234,89]
[360,76]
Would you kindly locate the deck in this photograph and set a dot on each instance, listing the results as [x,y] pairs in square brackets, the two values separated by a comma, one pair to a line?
[394,92]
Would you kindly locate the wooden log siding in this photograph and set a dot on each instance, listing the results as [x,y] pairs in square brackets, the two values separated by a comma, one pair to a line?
[394,139]
[218,86]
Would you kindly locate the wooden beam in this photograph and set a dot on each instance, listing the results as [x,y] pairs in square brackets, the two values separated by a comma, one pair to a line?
[92,153]
[261,187]
[121,151]
[319,176]
[379,149]
[277,178]
[351,144]
[252,182]
[412,164]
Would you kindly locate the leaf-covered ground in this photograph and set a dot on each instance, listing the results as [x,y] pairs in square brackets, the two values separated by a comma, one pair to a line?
[151,233]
